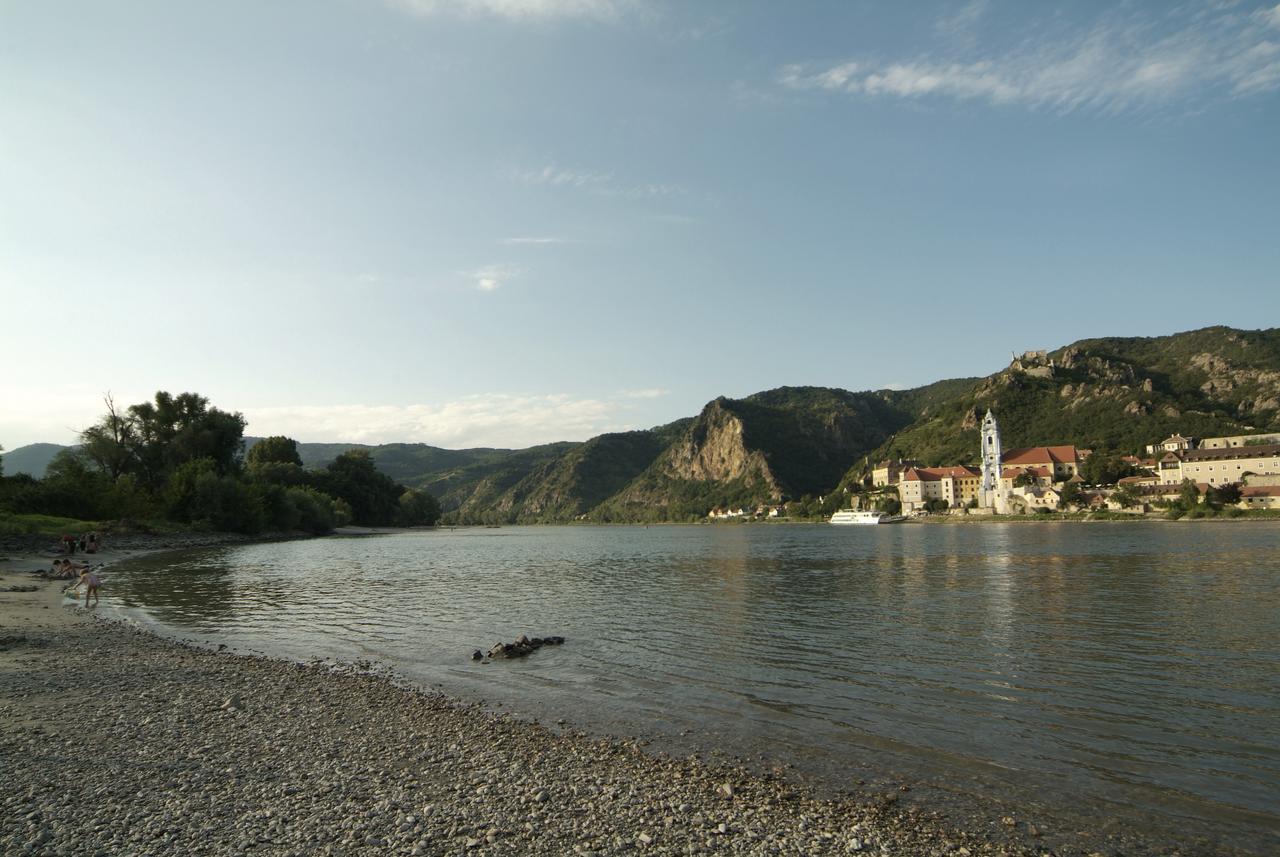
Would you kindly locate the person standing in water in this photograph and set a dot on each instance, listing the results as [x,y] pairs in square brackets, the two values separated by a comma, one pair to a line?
[91,580]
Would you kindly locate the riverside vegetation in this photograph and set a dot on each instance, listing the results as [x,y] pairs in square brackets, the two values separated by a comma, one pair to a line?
[812,448]
[179,461]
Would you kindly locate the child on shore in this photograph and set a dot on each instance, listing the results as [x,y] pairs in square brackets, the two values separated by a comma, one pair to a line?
[91,580]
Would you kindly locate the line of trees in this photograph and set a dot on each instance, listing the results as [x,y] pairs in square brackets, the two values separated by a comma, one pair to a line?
[179,459]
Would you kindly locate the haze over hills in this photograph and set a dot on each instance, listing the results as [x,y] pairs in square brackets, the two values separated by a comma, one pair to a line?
[1115,394]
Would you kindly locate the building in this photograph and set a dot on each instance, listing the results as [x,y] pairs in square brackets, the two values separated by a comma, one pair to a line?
[957,485]
[1218,466]
[1173,443]
[1062,461]
[888,472]
[1260,497]
[1239,440]
[990,496]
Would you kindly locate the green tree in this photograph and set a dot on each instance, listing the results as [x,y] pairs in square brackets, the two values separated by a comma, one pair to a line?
[418,508]
[1025,479]
[110,443]
[1230,493]
[374,498]
[1070,495]
[275,460]
[174,430]
[1104,468]
[71,487]
[274,449]
[180,489]
[1189,497]
[1126,497]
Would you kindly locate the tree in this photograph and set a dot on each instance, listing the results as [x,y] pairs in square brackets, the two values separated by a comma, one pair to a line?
[373,496]
[1070,495]
[1104,468]
[275,460]
[274,449]
[1230,493]
[1189,497]
[418,508]
[173,430]
[1126,497]
[1025,479]
[109,444]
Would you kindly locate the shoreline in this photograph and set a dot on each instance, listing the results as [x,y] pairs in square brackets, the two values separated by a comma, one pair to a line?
[150,745]
[182,746]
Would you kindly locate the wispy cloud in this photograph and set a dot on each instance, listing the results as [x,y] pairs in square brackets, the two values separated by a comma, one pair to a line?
[605,184]
[559,177]
[492,419]
[1117,64]
[490,278]
[963,19]
[516,9]
[649,393]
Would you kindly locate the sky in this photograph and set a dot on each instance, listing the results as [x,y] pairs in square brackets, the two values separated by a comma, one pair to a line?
[509,222]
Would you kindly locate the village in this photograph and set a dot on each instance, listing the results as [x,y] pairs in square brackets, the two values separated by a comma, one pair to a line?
[1237,472]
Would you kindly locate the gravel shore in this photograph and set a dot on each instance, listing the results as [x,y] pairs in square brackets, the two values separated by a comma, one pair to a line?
[118,742]
[115,741]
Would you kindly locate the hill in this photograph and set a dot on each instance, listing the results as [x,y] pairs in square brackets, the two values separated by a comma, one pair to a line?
[1117,394]
[31,459]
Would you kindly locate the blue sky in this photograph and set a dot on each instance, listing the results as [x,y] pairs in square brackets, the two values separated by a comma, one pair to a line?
[505,222]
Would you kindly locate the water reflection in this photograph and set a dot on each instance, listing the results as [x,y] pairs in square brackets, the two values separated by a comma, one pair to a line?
[1137,664]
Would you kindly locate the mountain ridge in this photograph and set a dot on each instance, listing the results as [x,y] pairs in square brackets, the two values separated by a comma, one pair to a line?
[1111,393]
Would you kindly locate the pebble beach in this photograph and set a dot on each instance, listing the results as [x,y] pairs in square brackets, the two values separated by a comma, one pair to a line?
[116,741]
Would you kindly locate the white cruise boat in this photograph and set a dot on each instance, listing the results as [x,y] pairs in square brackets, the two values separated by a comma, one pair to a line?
[848,516]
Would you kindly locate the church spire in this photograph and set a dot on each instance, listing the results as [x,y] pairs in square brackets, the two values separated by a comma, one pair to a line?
[991,494]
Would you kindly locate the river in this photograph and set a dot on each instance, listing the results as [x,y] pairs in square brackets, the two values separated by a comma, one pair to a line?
[1123,675]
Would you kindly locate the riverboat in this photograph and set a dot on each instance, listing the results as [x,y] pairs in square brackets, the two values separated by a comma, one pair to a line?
[848,516]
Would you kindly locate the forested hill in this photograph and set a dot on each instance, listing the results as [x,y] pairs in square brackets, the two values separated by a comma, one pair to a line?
[1115,394]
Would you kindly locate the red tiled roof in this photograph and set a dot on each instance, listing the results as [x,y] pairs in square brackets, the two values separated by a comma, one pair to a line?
[1015,472]
[1260,491]
[1042,455]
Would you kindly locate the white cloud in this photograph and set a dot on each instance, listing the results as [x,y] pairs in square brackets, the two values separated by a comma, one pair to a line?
[494,419]
[490,278]
[1117,64]
[604,184]
[649,393]
[515,9]
[964,18]
[558,177]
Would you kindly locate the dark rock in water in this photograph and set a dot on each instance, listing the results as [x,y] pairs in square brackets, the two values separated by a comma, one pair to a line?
[477,655]
[522,646]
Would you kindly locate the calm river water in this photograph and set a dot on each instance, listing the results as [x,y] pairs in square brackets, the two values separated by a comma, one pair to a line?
[1109,674]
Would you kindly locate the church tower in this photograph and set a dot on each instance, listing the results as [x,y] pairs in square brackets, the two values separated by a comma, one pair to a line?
[992,496]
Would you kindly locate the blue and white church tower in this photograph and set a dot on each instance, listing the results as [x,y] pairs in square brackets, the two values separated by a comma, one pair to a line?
[991,495]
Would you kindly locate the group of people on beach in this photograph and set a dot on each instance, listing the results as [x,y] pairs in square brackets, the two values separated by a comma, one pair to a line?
[85,543]
[83,573]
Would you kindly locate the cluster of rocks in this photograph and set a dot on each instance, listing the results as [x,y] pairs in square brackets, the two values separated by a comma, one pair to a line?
[522,646]
[153,747]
